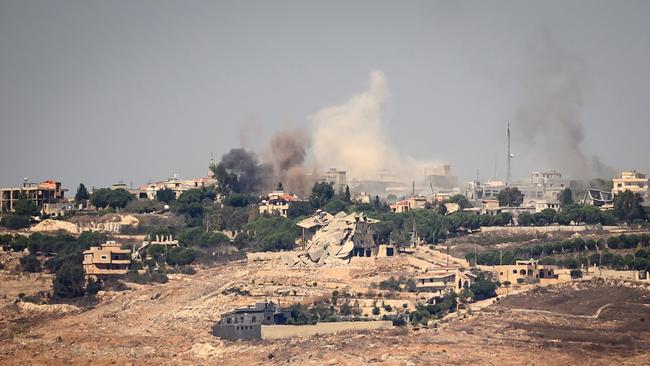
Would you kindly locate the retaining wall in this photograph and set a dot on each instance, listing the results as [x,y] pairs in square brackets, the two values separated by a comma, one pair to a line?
[291,331]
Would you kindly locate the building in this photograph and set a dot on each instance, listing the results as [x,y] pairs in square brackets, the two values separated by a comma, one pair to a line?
[633,181]
[178,186]
[490,207]
[337,239]
[106,259]
[277,203]
[337,178]
[246,323]
[363,198]
[550,181]
[49,191]
[523,271]
[411,203]
[445,279]
[59,209]
[598,198]
[536,206]
[312,224]
[540,186]
[439,177]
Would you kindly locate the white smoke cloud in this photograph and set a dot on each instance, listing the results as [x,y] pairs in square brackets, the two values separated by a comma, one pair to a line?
[352,136]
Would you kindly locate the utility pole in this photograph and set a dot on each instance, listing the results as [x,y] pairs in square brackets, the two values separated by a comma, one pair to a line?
[508,174]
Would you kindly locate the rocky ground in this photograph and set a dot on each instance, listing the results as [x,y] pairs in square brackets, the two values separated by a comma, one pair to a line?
[170,323]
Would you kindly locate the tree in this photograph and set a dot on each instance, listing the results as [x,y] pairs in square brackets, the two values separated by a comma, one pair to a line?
[191,205]
[237,200]
[627,207]
[14,222]
[524,219]
[118,198]
[82,194]
[565,197]
[143,206]
[99,197]
[179,256]
[483,289]
[347,197]
[165,195]
[461,200]
[227,182]
[510,196]
[321,194]
[69,281]
[25,207]
[299,208]
[335,206]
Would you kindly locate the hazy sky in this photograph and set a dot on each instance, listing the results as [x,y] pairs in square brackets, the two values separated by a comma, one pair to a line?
[133,91]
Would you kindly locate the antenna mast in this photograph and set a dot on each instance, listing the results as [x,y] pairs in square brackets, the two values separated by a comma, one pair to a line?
[508,177]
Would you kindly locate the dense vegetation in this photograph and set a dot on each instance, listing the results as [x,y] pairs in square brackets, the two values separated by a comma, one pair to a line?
[64,258]
[571,249]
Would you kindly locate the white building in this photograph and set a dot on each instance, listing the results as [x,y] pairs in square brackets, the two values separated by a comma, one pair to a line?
[633,181]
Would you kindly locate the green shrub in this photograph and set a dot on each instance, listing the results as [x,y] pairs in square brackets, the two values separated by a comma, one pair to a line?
[179,256]
[30,263]
[69,281]
[15,222]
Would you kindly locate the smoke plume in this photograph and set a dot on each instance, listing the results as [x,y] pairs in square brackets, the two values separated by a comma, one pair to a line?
[549,114]
[253,176]
[352,136]
[288,150]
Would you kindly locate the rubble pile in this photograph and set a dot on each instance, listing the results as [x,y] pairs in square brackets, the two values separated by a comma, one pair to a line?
[334,240]
[54,226]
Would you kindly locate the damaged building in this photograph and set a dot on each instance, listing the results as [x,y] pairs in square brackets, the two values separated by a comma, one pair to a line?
[331,239]
[246,323]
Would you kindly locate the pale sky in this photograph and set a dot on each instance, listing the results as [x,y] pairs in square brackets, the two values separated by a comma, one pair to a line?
[134,91]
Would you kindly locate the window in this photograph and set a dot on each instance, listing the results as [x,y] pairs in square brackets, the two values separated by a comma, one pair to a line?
[103,257]
[514,271]
[268,318]
[253,319]
[228,320]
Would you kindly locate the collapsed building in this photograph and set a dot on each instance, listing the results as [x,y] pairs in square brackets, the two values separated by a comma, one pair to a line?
[336,239]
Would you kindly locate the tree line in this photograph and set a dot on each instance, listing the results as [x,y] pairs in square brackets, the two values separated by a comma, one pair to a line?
[546,253]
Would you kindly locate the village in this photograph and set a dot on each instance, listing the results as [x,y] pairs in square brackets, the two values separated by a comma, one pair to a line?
[342,273]
[324,183]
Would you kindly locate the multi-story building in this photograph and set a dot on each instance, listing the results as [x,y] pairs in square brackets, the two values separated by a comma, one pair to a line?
[631,180]
[49,191]
[337,178]
[106,259]
[277,203]
[439,177]
[550,181]
[445,279]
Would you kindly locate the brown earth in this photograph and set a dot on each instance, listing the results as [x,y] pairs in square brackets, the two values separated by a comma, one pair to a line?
[170,323]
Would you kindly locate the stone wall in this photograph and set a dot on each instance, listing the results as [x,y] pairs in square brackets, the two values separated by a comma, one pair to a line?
[291,331]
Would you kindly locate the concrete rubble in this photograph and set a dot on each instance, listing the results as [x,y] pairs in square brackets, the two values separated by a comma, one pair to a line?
[334,240]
